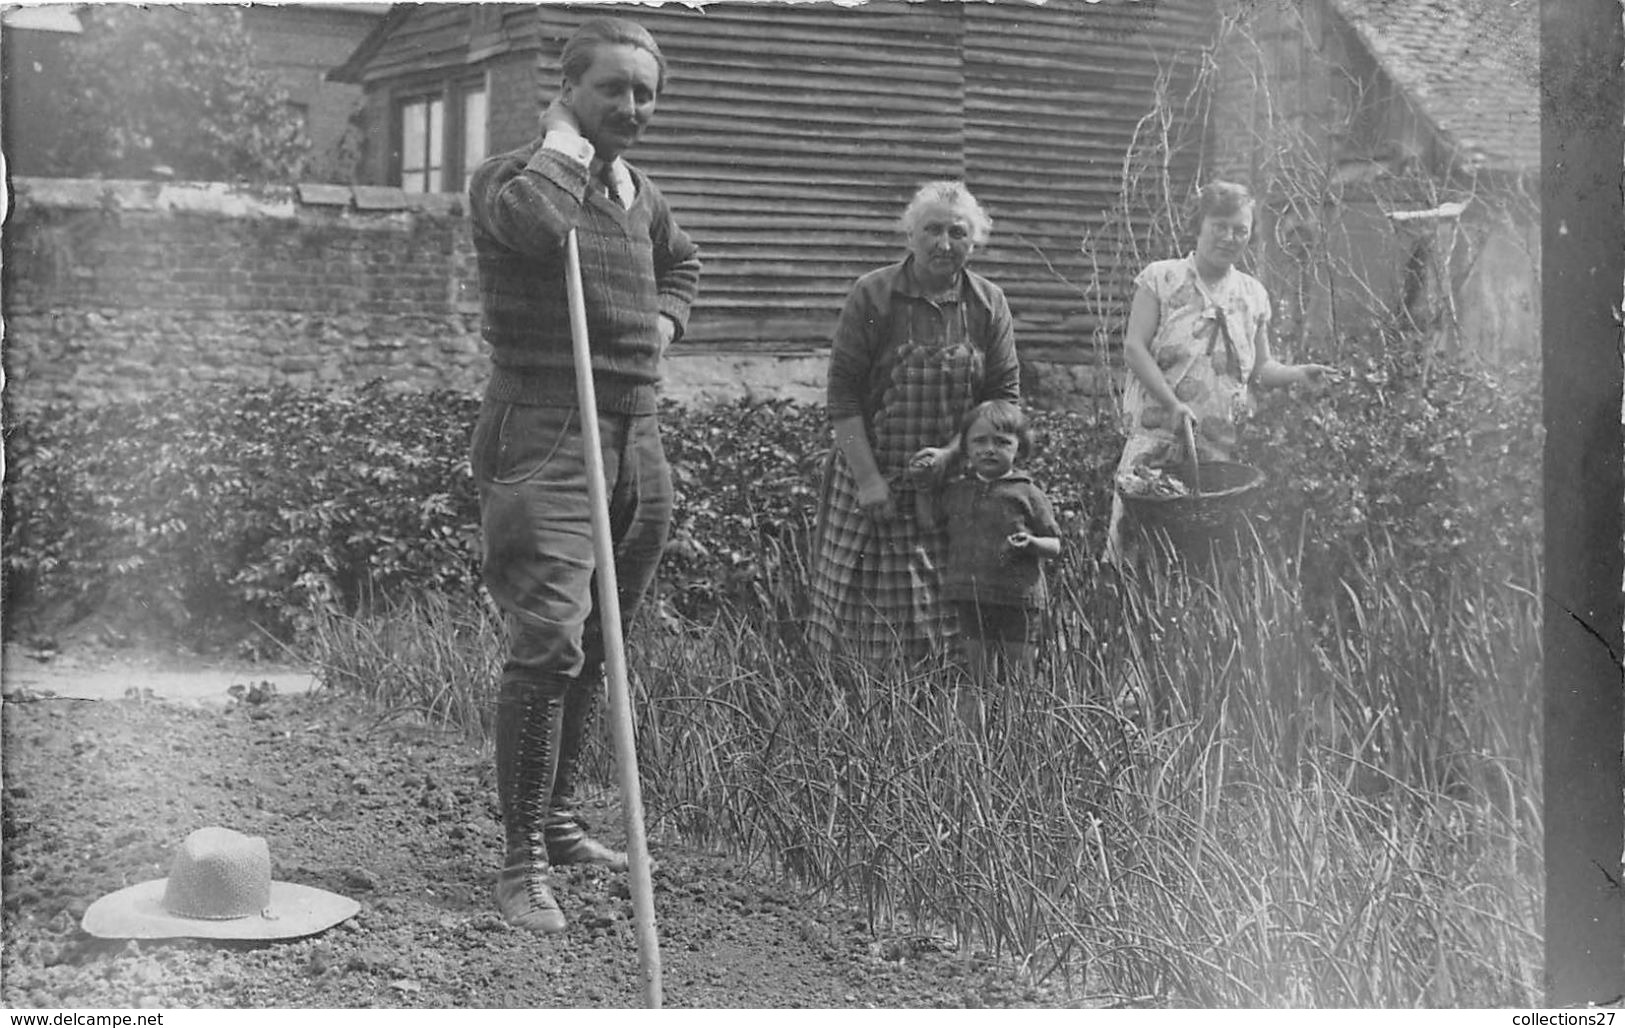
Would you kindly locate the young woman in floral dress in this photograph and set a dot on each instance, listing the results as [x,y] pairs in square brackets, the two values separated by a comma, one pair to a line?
[1197,341]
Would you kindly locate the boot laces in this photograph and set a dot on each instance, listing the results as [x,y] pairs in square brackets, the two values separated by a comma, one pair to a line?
[536,888]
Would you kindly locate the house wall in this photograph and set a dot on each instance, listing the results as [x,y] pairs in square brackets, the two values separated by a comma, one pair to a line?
[513,108]
[298,44]
[787,143]
[1333,148]
[1497,283]
[791,136]
[33,66]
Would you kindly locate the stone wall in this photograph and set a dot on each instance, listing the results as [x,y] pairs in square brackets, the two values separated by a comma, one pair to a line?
[116,290]
[297,44]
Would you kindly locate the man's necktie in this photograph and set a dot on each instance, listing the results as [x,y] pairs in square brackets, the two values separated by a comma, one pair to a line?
[614,187]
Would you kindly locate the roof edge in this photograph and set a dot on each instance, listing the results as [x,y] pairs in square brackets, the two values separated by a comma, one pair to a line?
[350,72]
[1459,155]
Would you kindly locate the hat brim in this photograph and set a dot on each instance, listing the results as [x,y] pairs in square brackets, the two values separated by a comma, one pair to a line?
[137,912]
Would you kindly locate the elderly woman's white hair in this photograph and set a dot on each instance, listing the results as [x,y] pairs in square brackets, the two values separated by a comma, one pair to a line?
[955,196]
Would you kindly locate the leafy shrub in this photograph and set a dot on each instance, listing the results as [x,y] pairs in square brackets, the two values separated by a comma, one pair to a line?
[197,514]
[1436,460]
[1074,461]
[746,482]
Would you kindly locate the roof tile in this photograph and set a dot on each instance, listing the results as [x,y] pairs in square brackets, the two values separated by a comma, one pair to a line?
[1472,67]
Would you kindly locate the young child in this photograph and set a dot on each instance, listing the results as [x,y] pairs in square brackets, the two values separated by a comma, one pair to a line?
[1000,526]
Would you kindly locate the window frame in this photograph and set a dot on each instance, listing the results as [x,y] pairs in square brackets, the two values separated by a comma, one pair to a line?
[452,91]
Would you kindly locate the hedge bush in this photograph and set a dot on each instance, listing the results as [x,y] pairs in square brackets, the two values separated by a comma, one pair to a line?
[198,513]
[213,516]
[1435,461]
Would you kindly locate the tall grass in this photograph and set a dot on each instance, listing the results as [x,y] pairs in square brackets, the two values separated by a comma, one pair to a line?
[432,654]
[1199,796]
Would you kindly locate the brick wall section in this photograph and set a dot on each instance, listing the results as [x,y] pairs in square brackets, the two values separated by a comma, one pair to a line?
[376,156]
[114,289]
[515,100]
[297,44]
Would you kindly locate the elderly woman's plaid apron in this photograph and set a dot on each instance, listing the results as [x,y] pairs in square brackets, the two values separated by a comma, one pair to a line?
[876,585]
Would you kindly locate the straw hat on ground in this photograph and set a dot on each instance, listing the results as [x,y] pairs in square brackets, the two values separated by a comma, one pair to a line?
[219,887]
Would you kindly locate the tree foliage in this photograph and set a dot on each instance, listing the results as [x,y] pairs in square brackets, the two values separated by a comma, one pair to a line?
[174,90]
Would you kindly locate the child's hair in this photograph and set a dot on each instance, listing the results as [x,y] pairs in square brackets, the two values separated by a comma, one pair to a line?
[1003,416]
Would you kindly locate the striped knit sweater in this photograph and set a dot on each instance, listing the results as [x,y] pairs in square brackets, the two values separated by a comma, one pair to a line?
[636,264]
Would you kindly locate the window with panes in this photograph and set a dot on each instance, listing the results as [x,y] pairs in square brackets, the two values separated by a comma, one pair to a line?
[439,136]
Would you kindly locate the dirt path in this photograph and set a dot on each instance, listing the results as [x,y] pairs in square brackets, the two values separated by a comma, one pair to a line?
[402,818]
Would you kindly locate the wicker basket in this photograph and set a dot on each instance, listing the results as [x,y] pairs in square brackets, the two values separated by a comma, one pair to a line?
[1196,522]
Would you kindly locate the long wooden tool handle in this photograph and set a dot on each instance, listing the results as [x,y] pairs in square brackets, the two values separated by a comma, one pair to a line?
[609,607]
[1190,448]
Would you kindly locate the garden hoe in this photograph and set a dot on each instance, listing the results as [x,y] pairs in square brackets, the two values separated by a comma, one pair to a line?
[620,699]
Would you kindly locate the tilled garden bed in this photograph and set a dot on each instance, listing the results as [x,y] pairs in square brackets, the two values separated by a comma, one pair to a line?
[401,817]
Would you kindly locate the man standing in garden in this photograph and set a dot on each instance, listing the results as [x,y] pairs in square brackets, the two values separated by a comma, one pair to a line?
[640,274]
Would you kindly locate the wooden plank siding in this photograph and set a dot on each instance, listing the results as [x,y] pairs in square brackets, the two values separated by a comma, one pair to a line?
[1053,98]
[788,141]
[790,137]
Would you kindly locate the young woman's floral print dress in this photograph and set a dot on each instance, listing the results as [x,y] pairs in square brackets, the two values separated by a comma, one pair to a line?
[1204,346]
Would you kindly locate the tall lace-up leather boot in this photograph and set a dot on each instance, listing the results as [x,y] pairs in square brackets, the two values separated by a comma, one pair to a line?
[529,718]
[566,832]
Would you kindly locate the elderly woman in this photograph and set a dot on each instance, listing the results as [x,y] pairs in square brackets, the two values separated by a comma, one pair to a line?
[919,343]
[1197,341]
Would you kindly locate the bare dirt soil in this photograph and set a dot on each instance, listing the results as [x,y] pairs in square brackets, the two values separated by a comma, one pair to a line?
[402,817]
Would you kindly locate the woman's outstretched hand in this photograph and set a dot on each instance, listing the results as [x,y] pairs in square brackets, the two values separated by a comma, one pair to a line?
[1315,376]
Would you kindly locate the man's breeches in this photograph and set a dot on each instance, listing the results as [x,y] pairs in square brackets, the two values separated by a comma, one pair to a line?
[530,466]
